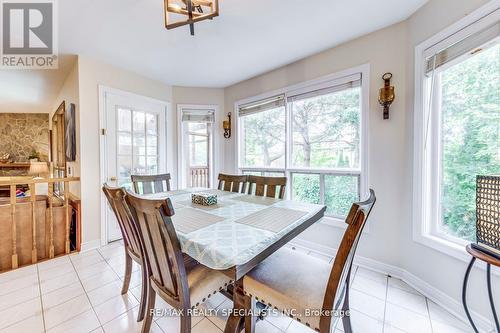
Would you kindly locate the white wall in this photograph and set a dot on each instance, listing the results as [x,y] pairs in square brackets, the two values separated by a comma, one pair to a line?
[439,270]
[390,147]
[382,50]
[92,74]
[70,94]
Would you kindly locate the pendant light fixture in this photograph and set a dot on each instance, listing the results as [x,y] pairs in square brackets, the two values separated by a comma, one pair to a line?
[188,12]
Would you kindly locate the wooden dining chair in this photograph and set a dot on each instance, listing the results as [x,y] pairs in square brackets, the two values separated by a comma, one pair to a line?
[267,186]
[233,183]
[292,280]
[183,286]
[131,241]
[147,184]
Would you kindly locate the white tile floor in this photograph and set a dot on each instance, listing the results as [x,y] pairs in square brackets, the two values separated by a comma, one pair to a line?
[81,293]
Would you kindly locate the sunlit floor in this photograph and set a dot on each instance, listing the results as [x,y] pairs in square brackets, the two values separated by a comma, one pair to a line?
[81,293]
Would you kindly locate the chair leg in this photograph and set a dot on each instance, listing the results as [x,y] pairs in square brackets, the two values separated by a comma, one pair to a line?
[250,318]
[128,273]
[185,323]
[146,326]
[144,294]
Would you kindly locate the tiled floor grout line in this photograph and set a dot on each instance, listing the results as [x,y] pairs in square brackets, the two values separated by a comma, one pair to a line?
[429,313]
[212,321]
[86,295]
[385,303]
[41,299]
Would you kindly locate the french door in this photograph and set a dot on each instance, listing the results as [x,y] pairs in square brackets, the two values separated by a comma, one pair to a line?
[135,143]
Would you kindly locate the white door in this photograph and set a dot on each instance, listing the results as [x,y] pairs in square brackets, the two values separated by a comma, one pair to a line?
[135,143]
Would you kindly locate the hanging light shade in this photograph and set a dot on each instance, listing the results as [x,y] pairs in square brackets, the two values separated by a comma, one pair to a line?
[188,12]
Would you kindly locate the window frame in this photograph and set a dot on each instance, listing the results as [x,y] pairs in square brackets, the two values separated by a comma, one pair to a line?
[426,205]
[331,80]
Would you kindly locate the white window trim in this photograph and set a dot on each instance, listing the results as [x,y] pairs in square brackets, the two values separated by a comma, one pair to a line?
[422,184]
[214,158]
[324,81]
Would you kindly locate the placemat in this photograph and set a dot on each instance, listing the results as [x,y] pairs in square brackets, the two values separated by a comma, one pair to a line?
[257,200]
[272,219]
[163,195]
[189,203]
[187,220]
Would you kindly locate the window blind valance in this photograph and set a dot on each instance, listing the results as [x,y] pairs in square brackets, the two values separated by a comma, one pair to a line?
[200,116]
[263,105]
[354,81]
[483,38]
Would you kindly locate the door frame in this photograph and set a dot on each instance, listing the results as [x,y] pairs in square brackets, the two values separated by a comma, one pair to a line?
[103,160]
[214,165]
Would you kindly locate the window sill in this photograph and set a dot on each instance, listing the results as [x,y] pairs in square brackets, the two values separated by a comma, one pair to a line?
[333,222]
[449,248]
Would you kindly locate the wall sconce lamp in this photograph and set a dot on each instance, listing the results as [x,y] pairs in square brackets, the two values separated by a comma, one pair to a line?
[386,95]
[226,124]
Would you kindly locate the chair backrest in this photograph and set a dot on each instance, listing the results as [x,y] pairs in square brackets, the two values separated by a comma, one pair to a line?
[130,234]
[147,184]
[267,186]
[162,250]
[341,269]
[233,183]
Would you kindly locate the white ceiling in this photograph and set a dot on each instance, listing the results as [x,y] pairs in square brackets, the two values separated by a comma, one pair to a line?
[249,37]
[33,91]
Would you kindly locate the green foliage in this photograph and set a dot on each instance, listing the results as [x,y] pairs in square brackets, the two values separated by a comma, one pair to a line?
[306,188]
[470,136]
[340,193]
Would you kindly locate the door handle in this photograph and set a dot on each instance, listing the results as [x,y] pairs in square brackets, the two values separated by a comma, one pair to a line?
[113,179]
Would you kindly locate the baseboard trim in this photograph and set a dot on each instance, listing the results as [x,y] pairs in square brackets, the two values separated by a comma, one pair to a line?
[437,296]
[91,245]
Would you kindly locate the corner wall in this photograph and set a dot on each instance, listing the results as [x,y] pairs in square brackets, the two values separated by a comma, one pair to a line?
[93,73]
[69,93]
[389,239]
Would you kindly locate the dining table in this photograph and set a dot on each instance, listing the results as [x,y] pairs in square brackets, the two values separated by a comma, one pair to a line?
[237,233]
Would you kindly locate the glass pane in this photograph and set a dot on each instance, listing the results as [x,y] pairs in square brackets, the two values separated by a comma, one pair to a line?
[124,166]
[127,183]
[470,127]
[139,122]
[306,188]
[326,130]
[124,119]
[198,150]
[152,165]
[139,145]
[263,139]
[198,128]
[151,124]
[340,193]
[152,145]
[124,143]
[140,165]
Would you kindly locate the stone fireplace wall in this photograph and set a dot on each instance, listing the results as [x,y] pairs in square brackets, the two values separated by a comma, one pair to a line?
[23,133]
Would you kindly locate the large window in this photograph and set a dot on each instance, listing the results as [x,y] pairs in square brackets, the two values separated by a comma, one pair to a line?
[459,130]
[313,136]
